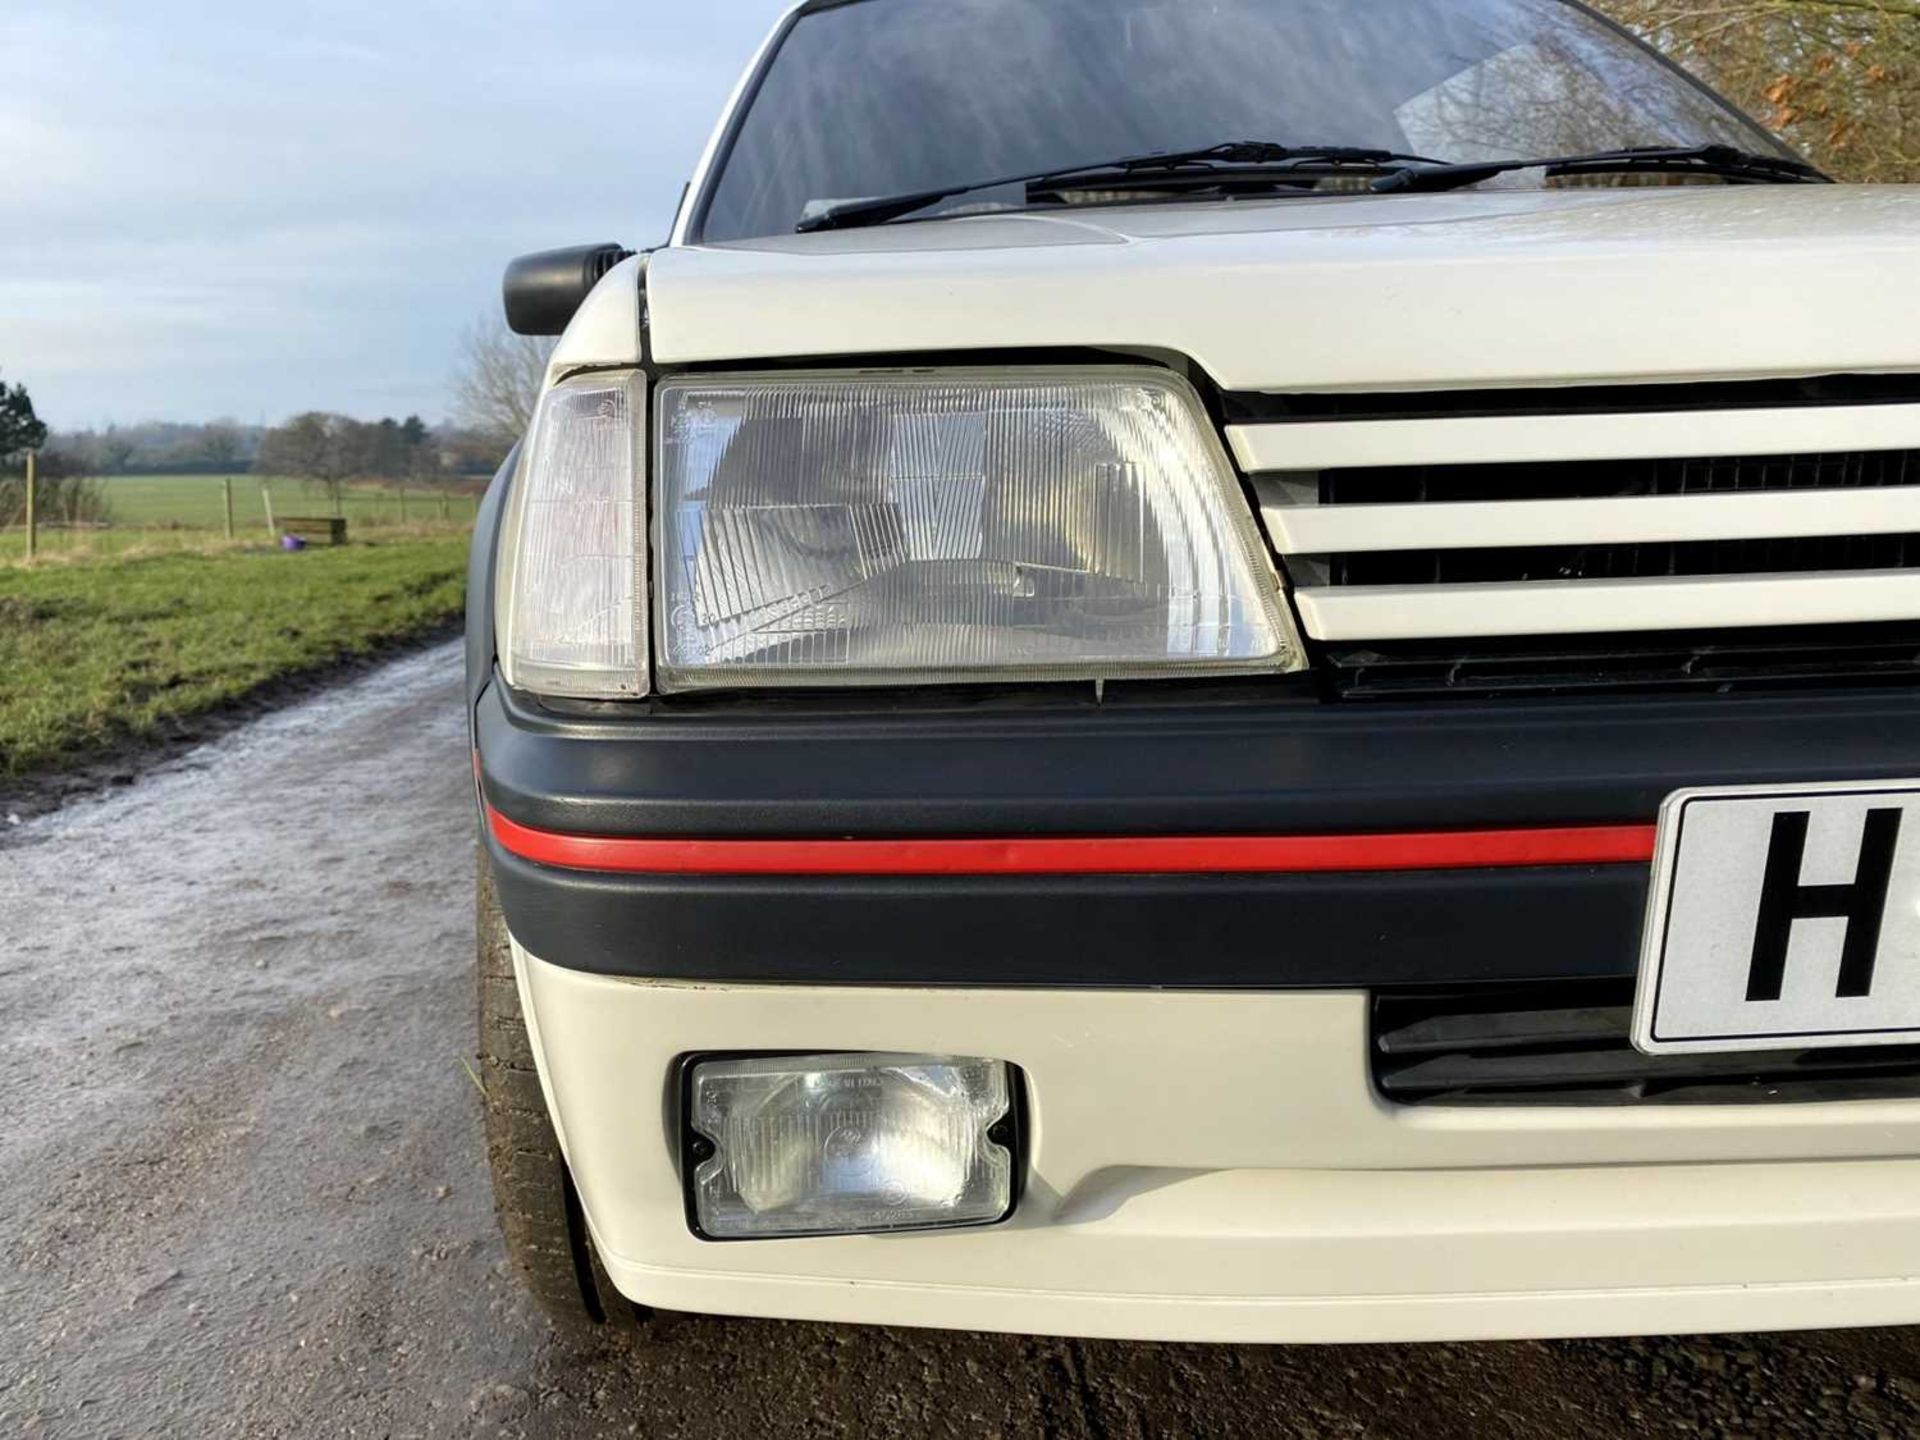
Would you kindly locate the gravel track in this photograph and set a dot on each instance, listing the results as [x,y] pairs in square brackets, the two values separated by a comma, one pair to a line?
[241,1190]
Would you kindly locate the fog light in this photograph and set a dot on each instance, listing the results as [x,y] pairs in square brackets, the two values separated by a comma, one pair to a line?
[848,1144]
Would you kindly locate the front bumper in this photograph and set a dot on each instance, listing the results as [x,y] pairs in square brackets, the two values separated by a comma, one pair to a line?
[1208,1159]
[1207,1166]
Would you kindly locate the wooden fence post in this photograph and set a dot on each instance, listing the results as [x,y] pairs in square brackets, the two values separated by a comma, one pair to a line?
[443,504]
[33,509]
[226,495]
[266,501]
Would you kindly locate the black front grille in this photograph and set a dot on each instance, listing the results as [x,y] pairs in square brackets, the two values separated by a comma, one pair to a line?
[1566,1043]
[1760,659]
[1629,561]
[1756,657]
[1254,408]
[1618,479]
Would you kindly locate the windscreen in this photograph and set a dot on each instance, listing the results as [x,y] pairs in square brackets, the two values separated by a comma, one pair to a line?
[886,97]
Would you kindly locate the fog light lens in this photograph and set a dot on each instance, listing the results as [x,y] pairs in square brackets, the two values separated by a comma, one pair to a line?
[846,1144]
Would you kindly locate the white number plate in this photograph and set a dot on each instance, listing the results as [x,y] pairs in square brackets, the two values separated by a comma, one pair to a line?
[1783,917]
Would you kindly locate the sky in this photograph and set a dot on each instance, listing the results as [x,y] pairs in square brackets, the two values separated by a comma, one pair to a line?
[228,208]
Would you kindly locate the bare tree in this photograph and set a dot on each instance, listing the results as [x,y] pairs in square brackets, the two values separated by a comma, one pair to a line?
[498,382]
[220,444]
[116,450]
[324,450]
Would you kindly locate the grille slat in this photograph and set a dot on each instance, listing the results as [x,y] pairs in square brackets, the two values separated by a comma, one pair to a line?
[1587,606]
[1374,535]
[1521,438]
[1567,1044]
[1492,1030]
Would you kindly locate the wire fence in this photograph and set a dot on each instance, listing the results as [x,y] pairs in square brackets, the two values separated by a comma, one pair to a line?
[163,512]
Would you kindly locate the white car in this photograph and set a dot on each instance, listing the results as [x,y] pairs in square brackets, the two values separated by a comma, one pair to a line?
[1217,670]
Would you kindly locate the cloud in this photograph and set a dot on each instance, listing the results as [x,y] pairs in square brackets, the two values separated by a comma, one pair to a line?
[255,209]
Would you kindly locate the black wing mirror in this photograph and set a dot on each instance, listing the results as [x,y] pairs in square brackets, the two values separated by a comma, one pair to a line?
[542,291]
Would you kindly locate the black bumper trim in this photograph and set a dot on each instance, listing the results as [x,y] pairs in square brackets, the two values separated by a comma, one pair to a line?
[1187,932]
[1247,764]
[1253,761]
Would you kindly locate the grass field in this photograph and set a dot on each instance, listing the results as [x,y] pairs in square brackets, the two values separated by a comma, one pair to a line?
[182,512]
[95,651]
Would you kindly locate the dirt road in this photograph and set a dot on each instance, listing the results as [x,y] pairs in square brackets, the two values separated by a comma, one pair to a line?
[241,1191]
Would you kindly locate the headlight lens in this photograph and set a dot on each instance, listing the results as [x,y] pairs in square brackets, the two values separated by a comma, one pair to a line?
[574,619]
[858,529]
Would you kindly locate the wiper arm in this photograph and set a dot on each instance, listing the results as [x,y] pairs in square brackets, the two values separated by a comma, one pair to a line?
[1725,160]
[1239,157]
[1235,154]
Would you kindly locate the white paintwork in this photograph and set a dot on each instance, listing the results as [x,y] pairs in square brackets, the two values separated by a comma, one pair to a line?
[1216,1167]
[605,330]
[1503,439]
[1487,524]
[1591,607]
[1346,292]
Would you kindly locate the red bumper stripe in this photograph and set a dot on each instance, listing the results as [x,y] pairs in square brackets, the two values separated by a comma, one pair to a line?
[1120,855]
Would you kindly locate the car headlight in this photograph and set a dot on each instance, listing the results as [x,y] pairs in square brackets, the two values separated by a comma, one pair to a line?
[849,529]
[572,618]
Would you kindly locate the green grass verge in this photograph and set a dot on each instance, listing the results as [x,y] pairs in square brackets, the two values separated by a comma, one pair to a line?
[93,653]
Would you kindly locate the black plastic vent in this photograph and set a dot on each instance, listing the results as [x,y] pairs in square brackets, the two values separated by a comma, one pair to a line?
[1566,1043]
[1251,408]
[1755,659]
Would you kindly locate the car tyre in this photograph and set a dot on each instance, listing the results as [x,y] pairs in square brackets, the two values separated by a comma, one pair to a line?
[548,1245]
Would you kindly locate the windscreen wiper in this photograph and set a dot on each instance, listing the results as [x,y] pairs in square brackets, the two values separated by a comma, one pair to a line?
[1746,166]
[1246,160]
